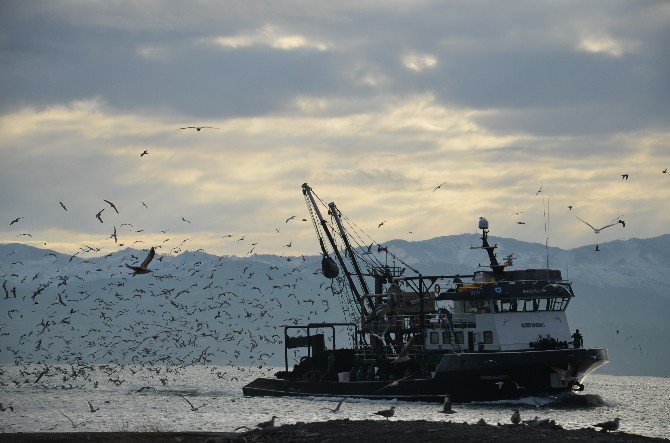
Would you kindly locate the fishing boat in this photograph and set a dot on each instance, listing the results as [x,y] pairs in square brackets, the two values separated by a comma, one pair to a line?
[495,334]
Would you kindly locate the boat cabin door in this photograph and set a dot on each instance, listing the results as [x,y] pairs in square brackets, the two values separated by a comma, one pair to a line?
[472,336]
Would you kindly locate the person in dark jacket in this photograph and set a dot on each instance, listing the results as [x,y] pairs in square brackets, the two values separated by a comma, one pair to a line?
[577,340]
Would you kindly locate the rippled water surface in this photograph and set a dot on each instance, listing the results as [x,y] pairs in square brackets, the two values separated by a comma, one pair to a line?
[216,392]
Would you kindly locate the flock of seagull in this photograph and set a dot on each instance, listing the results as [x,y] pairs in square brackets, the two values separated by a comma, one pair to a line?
[80,321]
[515,419]
[193,308]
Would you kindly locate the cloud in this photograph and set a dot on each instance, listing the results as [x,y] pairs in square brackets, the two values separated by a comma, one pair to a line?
[267,36]
[372,105]
[419,62]
[604,45]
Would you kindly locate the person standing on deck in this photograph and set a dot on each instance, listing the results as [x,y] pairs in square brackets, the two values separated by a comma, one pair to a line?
[577,340]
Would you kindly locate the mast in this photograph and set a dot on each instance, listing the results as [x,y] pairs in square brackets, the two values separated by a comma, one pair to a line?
[336,215]
[495,266]
[307,191]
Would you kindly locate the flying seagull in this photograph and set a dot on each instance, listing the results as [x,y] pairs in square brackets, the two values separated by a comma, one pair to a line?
[624,176]
[337,408]
[439,186]
[665,171]
[607,426]
[62,205]
[289,219]
[144,153]
[74,425]
[388,413]
[183,219]
[539,191]
[111,204]
[381,224]
[92,408]
[198,128]
[193,408]
[114,235]
[16,220]
[99,214]
[142,269]
[597,230]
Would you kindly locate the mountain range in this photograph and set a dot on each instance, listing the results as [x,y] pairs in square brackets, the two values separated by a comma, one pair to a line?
[201,308]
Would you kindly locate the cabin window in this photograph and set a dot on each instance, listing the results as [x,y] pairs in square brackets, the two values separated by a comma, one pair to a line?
[488,337]
[434,338]
[561,304]
[458,335]
[528,305]
[556,304]
[503,305]
[446,337]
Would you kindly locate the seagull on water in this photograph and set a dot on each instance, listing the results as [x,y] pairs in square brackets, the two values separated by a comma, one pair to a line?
[142,269]
[608,426]
[516,417]
[267,424]
[388,413]
[446,406]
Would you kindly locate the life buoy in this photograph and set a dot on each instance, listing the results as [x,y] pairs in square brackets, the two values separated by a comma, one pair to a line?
[437,289]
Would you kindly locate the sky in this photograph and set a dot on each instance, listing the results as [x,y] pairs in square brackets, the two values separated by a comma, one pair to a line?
[373,103]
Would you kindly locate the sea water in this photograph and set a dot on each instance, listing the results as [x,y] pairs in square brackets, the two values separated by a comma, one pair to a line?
[59,402]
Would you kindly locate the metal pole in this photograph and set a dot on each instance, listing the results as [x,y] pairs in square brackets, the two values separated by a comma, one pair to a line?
[308,192]
[336,214]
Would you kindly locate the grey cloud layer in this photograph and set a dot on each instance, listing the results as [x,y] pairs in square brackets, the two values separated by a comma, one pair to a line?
[519,56]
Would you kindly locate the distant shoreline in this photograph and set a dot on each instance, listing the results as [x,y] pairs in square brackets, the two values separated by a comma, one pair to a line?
[346,431]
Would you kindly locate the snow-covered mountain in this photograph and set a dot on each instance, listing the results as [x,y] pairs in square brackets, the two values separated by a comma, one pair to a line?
[196,307]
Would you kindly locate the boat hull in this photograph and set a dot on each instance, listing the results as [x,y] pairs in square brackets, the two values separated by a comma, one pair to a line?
[465,377]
